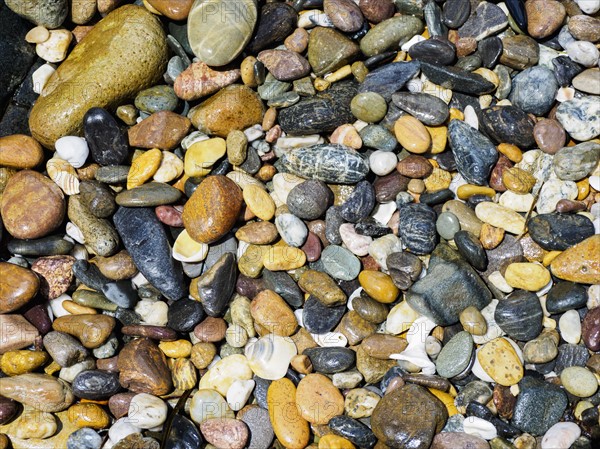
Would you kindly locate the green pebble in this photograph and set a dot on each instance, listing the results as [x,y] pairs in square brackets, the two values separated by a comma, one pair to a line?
[369,107]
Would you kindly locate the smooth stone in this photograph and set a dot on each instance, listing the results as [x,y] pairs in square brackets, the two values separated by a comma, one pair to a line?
[290,428]
[47,246]
[417,228]
[520,315]
[486,20]
[19,285]
[436,50]
[39,391]
[509,124]
[433,19]
[539,406]
[326,162]
[216,285]
[404,268]
[450,286]
[148,195]
[580,117]
[527,276]
[565,70]
[163,130]
[565,296]
[275,22]
[456,13]
[91,329]
[323,112]
[96,384]
[330,360]
[475,154]
[322,287]
[455,356]
[390,34]
[344,14]
[590,329]
[99,233]
[208,404]
[318,318]
[577,263]
[570,327]
[388,187]
[458,440]
[500,217]
[353,430]
[155,99]
[377,10]
[415,428]
[389,78]
[360,203]
[499,361]
[426,108]
[55,114]
[457,79]
[490,50]
[261,431]
[328,50]
[471,249]
[533,90]
[544,17]
[583,52]
[283,284]
[84,438]
[49,14]
[558,232]
[447,225]
[97,198]
[318,399]
[143,369]
[369,107]
[519,52]
[183,434]
[562,434]
[112,174]
[549,135]
[309,200]
[64,349]
[271,314]
[209,21]
[133,226]
[340,263]
[284,65]
[587,81]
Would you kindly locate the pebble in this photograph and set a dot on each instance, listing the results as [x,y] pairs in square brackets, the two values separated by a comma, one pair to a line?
[570,327]
[455,356]
[475,167]
[561,435]
[417,228]
[579,381]
[290,428]
[580,117]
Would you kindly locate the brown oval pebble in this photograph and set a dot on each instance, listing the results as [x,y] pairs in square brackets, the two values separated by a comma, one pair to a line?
[225,433]
[297,41]
[161,333]
[213,209]
[565,206]
[143,368]
[585,28]
[504,401]
[17,286]
[318,399]
[344,14]
[549,135]
[169,215]
[381,346]
[163,130]
[119,404]
[273,314]
[257,233]
[32,205]
[377,10]
[544,17]
[284,65]
[312,247]
[91,330]
[56,274]
[20,151]
[496,182]
[590,329]
[110,364]
[414,166]
[211,330]
[17,333]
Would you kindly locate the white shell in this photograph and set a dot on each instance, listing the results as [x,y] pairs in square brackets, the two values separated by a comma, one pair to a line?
[415,352]
[270,356]
[186,249]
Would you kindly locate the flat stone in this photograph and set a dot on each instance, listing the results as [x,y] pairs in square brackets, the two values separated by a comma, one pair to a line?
[389,78]
[457,79]
[519,52]
[509,124]
[389,34]
[558,232]
[96,384]
[331,360]
[328,50]
[520,315]
[486,20]
[434,51]
[475,154]
[456,13]
[344,14]
[426,108]
[285,65]
[455,356]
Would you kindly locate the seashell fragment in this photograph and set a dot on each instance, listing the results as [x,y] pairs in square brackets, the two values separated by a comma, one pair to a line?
[186,249]
[64,175]
[270,356]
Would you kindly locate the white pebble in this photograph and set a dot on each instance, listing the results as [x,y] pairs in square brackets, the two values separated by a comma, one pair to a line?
[583,52]
[121,428]
[383,212]
[561,435]
[152,312]
[356,243]
[238,393]
[41,76]
[471,117]
[593,296]
[545,289]
[254,132]
[595,182]
[479,372]
[570,327]
[56,305]
[68,374]
[382,247]
[55,48]
[382,162]
[330,339]
[147,411]
[292,230]
[75,233]
[477,426]
[499,282]
[588,6]
[565,94]
[72,149]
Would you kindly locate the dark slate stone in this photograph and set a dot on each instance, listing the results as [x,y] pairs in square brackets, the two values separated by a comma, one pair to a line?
[450,286]
[216,286]
[438,197]
[333,221]
[353,430]
[434,19]
[15,120]
[89,274]
[321,113]
[184,434]
[184,314]
[487,19]
[565,296]
[475,154]
[16,55]
[533,90]
[509,124]
[24,94]
[416,228]
[96,384]
[310,199]
[470,247]
[434,51]
[251,165]
[371,227]
[319,319]
[113,174]
[570,355]
[105,138]
[456,13]
[516,8]
[260,390]
[557,232]
[360,203]
[565,69]
[520,315]
[283,284]
[276,22]
[121,293]
[457,79]
[490,50]
[470,62]
[447,161]
[430,110]
[389,78]
[52,245]
[330,360]
[145,239]
[539,406]
[405,268]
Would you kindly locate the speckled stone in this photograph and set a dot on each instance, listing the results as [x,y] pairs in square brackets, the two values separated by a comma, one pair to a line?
[534,89]
[417,228]
[580,117]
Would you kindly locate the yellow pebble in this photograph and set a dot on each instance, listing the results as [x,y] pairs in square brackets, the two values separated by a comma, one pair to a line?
[170,168]
[14,363]
[77,309]
[378,286]
[176,349]
[52,368]
[259,202]
[456,114]
[583,189]
[527,276]
[438,180]
[283,258]
[339,74]
[201,156]
[412,134]
[401,56]
[549,257]
[143,168]
[466,191]
[321,84]
[88,415]
[512,152]
[332,441]
[488,75]
[446,399]
[518,180]
[500,361]
[439,137]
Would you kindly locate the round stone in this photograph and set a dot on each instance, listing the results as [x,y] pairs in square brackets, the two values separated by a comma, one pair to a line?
[579,381]
[455,355]
[369,107]
[447,225]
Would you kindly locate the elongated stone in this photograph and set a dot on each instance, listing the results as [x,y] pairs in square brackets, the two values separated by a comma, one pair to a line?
[416,228]
[389,78]
[487,19]
[146,241]
[333,163]
[475,154]
[389,34]
[557,232]
[275,23]
[430,110]
[509,124]
[457,79]
[216,286]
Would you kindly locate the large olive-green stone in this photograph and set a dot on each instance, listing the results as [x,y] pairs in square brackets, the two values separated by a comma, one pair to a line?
[218,30]
[123,54]
[390,34]
[329,50]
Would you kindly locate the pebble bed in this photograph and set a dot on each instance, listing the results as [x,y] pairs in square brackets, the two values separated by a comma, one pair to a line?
[328,224]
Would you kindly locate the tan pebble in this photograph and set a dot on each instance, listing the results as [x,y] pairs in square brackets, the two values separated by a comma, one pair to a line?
[490,236]
[20,151]
[500,361]
[203,354]
[466,191]
[176,349]
[297,41]
[438,180]
[273,134]
[184,375]
[290,428]
[236,145]
[318,399]
[412,134]
[359,70]
[527,276]
[339,74]
[266,172]
[128,114]
[321,84]
[501,217]
[283,258]
[272,313]
[54,49]
[247,71]
[332,441]
[416,186]
[346,135]
[323,287]
[211,330]
[77,309]
[201,156]
[512,152]
[439,137]
[269,118]
[64,175]
[302,364]
[489,75]
[37,35]
[170,168]
[378,285]
[518,180]
[259,202]
[473,321]
[143,168]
